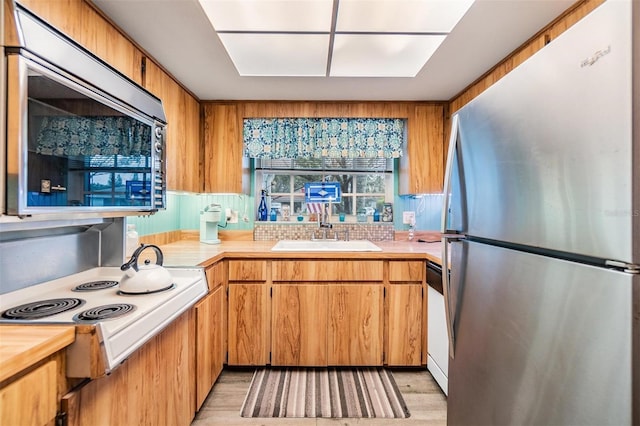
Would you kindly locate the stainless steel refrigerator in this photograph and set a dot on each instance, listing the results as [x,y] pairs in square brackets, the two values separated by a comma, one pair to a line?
[542,213]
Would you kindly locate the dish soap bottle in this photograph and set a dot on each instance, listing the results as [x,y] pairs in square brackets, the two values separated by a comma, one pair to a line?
[262,209]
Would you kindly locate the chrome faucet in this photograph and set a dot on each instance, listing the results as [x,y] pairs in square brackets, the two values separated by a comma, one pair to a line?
[324,216]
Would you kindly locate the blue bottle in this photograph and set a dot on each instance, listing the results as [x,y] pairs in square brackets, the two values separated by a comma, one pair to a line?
[262,209]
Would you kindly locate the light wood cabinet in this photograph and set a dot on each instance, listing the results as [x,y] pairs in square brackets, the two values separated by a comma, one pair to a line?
[31,399]
[210,334]
[248,313]
[153,386]
[183,141]
[405,327]
[422,165]
[327,312]
[299,325]
[248,322]
[355,324]
[225,168]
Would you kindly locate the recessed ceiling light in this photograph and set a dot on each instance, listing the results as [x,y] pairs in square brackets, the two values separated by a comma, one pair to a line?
[400,16]
[278,54]
[388,55]
[269,15]
[371,38]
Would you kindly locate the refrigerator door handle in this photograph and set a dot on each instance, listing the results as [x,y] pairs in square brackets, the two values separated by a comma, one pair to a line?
[453,142]
[446,290]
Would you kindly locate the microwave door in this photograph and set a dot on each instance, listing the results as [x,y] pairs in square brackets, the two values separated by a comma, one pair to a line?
[73,149]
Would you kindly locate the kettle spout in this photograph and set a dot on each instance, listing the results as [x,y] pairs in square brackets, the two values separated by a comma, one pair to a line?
[129,272]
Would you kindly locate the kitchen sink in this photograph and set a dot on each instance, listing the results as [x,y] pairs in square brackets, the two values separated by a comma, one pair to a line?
[325,245]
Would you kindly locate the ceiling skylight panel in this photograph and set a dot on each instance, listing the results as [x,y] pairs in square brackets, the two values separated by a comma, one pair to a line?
[277,54]
[405,16]
[269,15]
[389,55]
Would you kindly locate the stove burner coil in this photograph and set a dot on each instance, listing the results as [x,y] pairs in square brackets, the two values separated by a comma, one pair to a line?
[95,285]
[104,312]
[42,309]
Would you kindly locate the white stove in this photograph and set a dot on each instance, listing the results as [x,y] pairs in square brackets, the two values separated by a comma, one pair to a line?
[134,319]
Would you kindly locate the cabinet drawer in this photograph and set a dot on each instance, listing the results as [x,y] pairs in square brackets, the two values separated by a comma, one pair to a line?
[247,270]
[406,271]
[327,270]
[215,276]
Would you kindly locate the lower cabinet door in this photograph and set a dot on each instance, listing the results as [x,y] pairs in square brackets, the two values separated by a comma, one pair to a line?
[299,325]
[355,324]
[209,343]
[247,329]
[405,325]
[31,399]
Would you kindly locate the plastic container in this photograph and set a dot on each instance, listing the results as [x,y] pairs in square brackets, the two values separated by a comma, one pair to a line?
[132,240]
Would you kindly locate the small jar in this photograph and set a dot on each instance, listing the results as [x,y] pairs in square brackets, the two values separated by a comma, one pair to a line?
[362,216]
[274,215]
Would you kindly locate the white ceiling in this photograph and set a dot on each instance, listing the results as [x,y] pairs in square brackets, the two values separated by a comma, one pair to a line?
[178,34]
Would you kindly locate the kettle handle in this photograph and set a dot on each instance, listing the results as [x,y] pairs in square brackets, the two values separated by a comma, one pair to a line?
[133,262]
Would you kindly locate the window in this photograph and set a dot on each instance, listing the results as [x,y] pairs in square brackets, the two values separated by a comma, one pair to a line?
[365,183]
[114,180]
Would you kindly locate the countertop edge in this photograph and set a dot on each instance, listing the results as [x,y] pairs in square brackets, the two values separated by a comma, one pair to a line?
[25,351]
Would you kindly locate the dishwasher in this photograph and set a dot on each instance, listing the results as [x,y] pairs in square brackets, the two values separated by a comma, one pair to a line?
[437,340]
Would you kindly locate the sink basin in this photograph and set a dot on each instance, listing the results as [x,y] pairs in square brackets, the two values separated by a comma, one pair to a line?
[325,245]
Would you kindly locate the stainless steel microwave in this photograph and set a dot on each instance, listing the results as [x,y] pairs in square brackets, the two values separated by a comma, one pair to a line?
[81,137]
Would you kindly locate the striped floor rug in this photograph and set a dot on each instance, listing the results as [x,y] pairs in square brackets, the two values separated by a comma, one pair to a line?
[324,392]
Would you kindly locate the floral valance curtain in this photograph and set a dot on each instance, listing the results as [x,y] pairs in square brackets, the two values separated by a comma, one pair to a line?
[86,136]
[323,137]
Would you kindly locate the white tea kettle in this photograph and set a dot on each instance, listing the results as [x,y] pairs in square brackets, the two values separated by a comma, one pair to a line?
[147,278]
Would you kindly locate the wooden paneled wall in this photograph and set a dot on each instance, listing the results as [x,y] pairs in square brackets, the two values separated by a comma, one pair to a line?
[223,126]
[81,22]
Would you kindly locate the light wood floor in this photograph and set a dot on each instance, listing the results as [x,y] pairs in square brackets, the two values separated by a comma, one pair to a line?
[426,402]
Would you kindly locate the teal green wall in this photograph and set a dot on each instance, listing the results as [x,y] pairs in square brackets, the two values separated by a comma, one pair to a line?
[183,213]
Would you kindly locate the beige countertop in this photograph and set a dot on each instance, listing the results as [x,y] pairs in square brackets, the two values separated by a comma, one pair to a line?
[24,345]
[191,253]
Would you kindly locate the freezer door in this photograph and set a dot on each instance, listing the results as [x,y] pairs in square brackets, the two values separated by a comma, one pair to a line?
[539,341]
[546,154]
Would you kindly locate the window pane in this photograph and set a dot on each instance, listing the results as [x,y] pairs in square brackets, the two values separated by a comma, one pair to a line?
[370,184]
[100,181]
[298,206]
[281,183]
[369,204]
[300,180]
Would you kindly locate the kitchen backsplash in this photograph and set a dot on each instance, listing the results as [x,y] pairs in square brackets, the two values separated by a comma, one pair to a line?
[183,213]
[265,231]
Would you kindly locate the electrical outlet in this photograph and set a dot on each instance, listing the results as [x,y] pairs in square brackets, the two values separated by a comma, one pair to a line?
[231,215]
[408,217]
